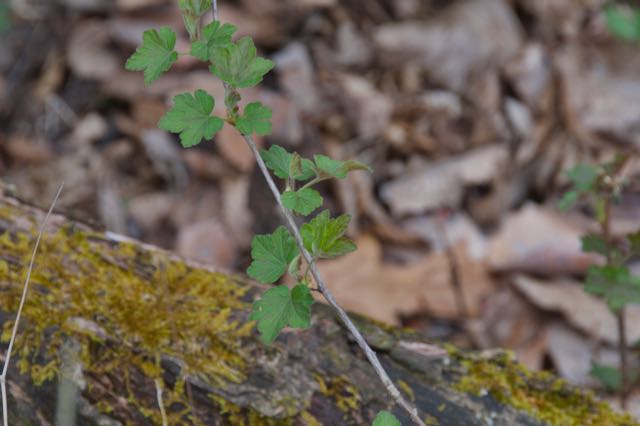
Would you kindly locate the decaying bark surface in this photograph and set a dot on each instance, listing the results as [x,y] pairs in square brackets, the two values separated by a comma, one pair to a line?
[315,376]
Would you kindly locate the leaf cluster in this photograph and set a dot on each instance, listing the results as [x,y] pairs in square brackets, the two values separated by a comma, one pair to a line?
[292,168]
[276,254]
[237,64]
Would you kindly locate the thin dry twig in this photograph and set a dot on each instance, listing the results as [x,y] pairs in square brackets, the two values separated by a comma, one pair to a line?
[163,412]
[3,377]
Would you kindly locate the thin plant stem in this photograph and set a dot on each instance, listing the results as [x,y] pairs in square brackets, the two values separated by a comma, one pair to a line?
[369,353]
[620,315]
[622,349]
[214,9]
[25,289]
[163,413]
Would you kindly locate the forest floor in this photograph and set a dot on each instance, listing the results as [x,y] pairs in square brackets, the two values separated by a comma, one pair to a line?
[469,112]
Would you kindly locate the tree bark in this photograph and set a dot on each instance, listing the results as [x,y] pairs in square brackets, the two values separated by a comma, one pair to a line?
[315,376]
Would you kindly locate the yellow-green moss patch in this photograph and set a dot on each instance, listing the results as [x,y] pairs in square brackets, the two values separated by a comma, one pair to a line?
[341,391]
[541,395]
[127,308]
[239,416]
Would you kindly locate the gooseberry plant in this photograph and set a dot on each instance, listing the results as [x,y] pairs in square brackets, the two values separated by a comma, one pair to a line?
[288,250]
[601,186]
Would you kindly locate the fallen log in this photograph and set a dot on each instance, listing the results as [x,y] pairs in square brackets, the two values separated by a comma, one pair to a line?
[115,323]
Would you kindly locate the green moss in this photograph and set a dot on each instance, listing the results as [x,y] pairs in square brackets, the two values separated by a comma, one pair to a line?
[309,419]
[339,389]
[236,415]
[406,389]
[127,308]
[541,394]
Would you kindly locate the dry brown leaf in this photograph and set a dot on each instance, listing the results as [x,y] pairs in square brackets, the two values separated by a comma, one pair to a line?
[571,354]
[151,210]
[530,73]
[89,129]
[587,313]
[363,283]
[88,55]
[538,240]
[441,233]
[110,205]
[367,107]
[296,75]
[466,38]
[207,166]
[508,321]
[602,92]
[207,241]
[442,183]
[234,149]
[235,209]
[353,48]
[25,151]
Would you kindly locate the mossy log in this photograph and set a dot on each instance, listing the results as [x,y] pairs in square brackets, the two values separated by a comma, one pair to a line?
[117,318]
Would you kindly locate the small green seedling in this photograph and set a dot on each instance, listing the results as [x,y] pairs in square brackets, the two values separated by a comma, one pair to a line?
[623,21]
[601,186]
[291,250]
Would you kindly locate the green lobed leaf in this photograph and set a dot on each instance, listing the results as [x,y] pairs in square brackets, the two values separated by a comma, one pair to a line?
[324,237]
[634,242]
[303,201]
[191,118]
[568,199]
[156,55]
[272,254]
[385,418]
[610,377]
[615,284]
[583,177]
[195,7]
[279,308]
[238,65]
[278,160]
[214,36]
[594,244]
[256,118]
[623,22]
[328,167]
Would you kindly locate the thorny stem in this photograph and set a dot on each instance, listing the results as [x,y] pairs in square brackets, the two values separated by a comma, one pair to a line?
[25,289]
[370,354]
